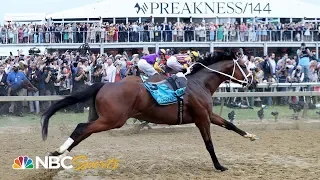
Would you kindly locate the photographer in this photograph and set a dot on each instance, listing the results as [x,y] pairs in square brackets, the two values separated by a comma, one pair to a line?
[97,75]
[132,66]
[34,77]
[297,77]
[64,81]
[304,55]
[313,72]
[87,69]
[79,84]
[50,77]
[282,76]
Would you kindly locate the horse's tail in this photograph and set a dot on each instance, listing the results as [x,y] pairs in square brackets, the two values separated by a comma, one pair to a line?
[80,96]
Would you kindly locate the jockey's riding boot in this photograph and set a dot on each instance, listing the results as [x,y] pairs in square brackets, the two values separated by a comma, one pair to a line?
[188,71]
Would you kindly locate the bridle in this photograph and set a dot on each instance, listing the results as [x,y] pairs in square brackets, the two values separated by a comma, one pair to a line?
[245,83]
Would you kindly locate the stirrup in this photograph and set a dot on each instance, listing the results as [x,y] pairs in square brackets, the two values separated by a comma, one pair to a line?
[180,74]
[188,71]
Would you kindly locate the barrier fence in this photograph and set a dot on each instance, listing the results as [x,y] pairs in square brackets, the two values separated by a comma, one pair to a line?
[201,35]
[217,94]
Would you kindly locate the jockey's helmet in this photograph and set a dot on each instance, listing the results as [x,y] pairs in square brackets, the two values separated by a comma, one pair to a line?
[162,51]
[194,53]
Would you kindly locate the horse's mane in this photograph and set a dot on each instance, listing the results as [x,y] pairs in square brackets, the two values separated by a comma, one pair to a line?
[212,59]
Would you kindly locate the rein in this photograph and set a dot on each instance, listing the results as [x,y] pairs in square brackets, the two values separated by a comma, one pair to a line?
[235,63]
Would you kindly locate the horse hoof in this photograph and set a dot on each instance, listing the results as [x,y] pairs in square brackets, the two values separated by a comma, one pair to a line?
[221,168]
[55,153]
[252,137]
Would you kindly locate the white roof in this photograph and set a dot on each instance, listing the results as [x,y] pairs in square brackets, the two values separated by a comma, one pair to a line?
[191,8]
[24,17]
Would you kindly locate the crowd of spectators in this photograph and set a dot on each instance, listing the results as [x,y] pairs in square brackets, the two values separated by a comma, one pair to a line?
[14,33]
[61,73]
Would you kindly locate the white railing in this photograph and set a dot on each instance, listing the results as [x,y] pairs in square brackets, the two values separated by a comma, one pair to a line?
[272,85]
[217,94]
[203,35]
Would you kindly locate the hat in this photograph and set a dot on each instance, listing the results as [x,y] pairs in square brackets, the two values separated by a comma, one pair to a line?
[23,62]
[15,65]
[194,53]
[162,51]
[118,56]
[135,55]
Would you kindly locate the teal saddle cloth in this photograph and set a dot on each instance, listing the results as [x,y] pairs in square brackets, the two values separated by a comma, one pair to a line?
[164,93]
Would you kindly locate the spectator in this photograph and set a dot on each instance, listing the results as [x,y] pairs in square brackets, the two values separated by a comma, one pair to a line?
[269,67]
[15,80]
[304,55]
[50,78]
[313,72]
[79,84]
[34,77]
[3,87]
[109,71]
[282,75]
[97,75]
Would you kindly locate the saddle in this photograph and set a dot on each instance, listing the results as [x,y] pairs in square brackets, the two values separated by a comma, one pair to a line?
[169,91]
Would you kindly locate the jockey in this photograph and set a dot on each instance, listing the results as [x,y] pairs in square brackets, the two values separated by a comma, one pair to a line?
[149,63]
[180,62]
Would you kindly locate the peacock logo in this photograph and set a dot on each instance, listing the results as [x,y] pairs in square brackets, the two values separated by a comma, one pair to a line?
[23,162]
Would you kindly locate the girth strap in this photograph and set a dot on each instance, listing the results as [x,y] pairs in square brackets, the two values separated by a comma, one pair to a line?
[180,101]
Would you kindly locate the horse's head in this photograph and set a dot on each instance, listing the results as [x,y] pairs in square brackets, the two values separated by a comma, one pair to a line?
[230,67]
[241,75]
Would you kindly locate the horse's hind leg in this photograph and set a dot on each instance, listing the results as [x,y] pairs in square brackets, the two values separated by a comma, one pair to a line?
[217,120]
[82,131]
[204,127]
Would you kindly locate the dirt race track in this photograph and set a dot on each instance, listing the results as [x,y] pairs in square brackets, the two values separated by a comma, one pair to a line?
[284,151]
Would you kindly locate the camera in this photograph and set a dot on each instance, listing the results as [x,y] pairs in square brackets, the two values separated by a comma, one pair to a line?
[48,61]
[97,66]
[34,51]
[54,73]
[63,78]
[254,69]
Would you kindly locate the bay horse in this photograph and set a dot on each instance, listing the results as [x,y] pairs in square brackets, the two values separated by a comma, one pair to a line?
[114,103]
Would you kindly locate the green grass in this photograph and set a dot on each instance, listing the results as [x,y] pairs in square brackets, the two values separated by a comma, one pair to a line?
[72,119]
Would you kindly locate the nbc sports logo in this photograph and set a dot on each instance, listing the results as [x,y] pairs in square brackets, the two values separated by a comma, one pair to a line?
[49,162]
[54,162]
[23,162]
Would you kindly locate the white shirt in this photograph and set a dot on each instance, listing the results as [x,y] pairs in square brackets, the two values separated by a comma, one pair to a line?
[251,65]
[134,28]
[273,65]
[1,76]
[110,73]
[7,68]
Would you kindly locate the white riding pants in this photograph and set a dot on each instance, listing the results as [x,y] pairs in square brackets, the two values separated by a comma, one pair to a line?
[174,64]
[147,68]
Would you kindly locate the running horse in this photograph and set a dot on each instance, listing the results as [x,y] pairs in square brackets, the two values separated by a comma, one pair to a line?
[114,103]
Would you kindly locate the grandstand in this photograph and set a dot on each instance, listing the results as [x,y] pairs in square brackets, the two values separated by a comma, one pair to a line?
[145,11]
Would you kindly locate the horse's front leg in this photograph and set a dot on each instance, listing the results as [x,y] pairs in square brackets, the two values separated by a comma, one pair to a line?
[204,127]
[217,120]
